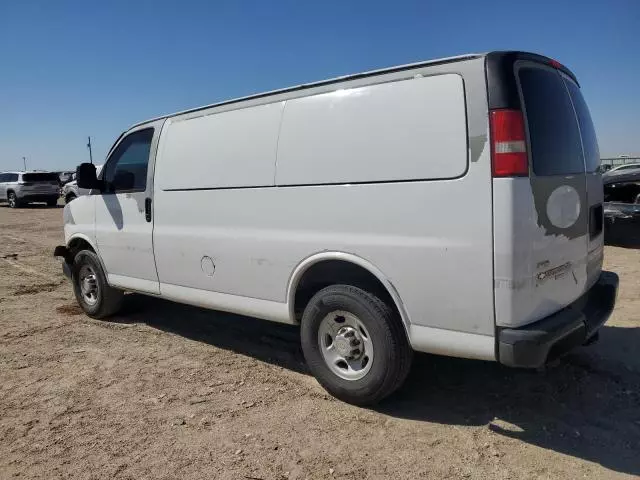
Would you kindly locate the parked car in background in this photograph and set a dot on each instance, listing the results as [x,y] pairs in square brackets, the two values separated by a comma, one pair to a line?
[65,177]
[71,191]
[622,186]
[19,188]
[320,205]
[623,168]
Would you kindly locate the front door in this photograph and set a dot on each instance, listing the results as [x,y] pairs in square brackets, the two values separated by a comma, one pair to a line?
[124,226]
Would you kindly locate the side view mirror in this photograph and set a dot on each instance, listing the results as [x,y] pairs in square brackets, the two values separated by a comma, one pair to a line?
[86,176]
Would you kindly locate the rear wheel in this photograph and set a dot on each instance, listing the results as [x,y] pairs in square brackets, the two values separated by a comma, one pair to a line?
[354,344]
[13,200]
[91,289]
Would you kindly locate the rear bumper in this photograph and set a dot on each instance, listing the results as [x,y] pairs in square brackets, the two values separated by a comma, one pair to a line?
[533,345]
[39,197]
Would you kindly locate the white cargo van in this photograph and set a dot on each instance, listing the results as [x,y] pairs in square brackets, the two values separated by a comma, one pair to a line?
[451,207]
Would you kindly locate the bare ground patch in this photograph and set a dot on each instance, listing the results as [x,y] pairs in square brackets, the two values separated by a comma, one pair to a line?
[170,391]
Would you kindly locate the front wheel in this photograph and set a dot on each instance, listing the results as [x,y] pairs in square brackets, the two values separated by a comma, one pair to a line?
[69,198]
[93,293]
[354,344]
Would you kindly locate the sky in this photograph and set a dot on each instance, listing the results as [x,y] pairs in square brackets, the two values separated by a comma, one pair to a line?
[70,69]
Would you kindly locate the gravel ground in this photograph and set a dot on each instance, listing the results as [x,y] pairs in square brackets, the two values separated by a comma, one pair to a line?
[170,391]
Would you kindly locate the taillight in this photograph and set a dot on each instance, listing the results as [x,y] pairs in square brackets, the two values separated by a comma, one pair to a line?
[508,145]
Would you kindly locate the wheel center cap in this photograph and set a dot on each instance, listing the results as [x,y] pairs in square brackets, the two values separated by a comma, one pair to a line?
[348,343]
[342,346]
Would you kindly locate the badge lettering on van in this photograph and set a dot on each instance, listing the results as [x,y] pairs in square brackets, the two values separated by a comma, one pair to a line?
[555,273]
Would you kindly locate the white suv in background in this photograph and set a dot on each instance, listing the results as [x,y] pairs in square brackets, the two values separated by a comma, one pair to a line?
[19,188]
[71,191]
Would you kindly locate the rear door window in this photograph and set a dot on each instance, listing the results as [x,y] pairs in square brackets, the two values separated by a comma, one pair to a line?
[553,130]
[40,177]
[587,131]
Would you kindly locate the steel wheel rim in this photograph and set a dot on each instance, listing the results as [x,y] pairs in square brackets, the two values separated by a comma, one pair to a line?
[346,345]
[88,285]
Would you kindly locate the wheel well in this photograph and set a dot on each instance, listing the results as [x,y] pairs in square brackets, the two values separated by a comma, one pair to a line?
[333,272]
[10,191]
[78,244]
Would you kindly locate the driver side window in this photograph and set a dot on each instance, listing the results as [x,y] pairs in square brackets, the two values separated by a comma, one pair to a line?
[126,169]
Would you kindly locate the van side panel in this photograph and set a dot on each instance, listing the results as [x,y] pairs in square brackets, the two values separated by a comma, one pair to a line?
[220,150]
[432,239]
[407,130]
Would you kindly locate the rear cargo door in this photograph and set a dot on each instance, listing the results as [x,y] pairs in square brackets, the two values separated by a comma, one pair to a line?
[595,192]
[564,194]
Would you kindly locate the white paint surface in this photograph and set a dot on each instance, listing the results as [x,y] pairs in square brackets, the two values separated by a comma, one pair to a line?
[524,251]
[452,343]
[407,130]
[228,149]
[267,310]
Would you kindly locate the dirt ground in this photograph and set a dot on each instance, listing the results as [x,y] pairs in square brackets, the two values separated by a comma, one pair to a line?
[170,391]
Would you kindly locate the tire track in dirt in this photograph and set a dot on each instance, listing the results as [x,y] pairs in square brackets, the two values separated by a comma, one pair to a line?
[30,271]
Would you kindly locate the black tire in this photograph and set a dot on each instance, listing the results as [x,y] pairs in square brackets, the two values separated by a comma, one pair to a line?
[108,299]
[13,200]
[52,203]
[69,198]
[392,360]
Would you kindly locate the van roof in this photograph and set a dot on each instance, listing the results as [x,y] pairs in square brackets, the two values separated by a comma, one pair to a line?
[425,63]
[318,83]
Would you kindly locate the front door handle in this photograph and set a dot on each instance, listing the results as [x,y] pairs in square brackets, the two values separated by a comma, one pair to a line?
[147,209]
